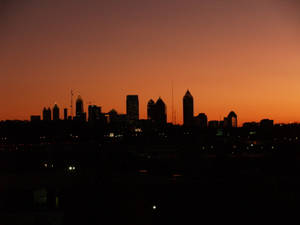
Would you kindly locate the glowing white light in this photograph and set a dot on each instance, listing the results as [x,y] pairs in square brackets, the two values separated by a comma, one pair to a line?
[138,130]
[154,207]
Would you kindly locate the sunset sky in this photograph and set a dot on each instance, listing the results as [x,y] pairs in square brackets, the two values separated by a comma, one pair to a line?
[241,55]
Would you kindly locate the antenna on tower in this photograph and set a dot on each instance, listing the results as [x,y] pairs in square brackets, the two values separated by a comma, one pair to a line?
[172,102]
[175,117]
[72,102]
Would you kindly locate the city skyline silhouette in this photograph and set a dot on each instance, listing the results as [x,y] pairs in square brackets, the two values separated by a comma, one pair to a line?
[149,112]
[239,55]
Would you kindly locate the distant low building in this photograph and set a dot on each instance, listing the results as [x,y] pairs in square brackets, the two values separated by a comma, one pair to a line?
[250,125]
[35,118]
[117,119]
[200,120]
[266,123]
[80,117]
[213,124]
[94,113]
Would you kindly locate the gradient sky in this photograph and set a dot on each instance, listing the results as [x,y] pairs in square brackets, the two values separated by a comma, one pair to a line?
[232,55]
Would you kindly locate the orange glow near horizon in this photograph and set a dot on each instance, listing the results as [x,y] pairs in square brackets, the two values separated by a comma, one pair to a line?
[239,55]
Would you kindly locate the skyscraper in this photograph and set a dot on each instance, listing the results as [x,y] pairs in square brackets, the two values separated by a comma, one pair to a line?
[46,114]
[232,119]
[79,106]
[132,107]
[160,115]
[188,109]
[65,113]
[55,112]
[150,110]
[80,114]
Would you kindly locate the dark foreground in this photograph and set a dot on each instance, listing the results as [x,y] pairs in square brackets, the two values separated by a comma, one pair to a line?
[206,190]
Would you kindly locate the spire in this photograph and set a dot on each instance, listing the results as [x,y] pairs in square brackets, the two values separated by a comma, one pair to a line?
[232,114]
[151,102]
[160,100]
[188,94]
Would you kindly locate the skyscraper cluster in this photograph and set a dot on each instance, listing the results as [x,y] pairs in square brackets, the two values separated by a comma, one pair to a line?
[156,113]
[189,120]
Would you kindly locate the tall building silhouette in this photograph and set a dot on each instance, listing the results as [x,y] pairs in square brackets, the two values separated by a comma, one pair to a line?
[150,110]
[188,109]
[55,112]
[46,114]
[160,115]
[65,113]
[132,107]
[232,119]
[79,106]
[94,113]
[80,114]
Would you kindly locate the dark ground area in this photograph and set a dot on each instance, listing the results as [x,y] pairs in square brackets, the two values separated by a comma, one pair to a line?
[211,191]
